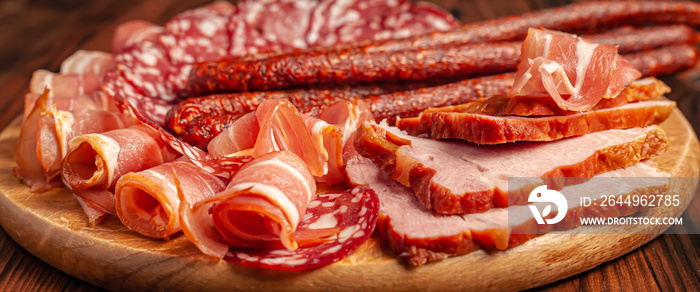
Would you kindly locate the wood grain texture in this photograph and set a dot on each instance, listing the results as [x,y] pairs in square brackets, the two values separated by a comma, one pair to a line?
[39,34]
[51,226]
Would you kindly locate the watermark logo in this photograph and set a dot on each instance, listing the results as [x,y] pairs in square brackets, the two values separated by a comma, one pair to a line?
[543,195]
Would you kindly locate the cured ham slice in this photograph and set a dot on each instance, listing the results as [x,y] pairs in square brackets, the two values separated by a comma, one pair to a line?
[486,129]
[456,177]
[56,128]
[261,206]
[574,72]
[29,168]
[354,212]
[68,91]
[88,62]
[281,127]
[147,201]
[417,234]
[95,162]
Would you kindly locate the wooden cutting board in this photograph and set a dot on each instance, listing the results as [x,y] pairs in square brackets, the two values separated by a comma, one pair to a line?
[51,226]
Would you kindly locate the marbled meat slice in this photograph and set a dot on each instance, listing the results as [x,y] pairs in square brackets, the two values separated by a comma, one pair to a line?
[417,234]
[457,177]
[147,201]
[487,129]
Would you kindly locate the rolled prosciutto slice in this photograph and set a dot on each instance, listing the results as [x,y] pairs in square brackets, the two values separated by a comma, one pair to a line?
[279,126]
[417,234]
[574,72]
[95,162]
[261,207]
[454,177]
[147,201]
[56,128]
[453,123]
[68,91]
[88,62]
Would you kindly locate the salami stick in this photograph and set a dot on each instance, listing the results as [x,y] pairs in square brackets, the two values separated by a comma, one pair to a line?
[180,115]
[629,39]
[347,66]
[664,61]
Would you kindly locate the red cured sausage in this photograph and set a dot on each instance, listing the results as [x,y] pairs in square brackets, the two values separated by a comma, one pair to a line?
[664,61]
[344,66]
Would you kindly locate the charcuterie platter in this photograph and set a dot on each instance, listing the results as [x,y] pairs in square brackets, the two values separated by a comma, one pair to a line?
[221,151]
[51,226]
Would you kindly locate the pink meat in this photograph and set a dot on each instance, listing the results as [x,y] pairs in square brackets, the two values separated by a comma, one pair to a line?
[261,206]
[147,201]
[455,177]
[575,72]
[418,234]
[88,62]
[96,161]
[133,32]
[351,214]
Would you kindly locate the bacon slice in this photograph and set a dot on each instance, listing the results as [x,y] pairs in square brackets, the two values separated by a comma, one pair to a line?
[147,201]
[557,64]
[457,177]
[417,234]
[486,129]
[96,161]
[262,206]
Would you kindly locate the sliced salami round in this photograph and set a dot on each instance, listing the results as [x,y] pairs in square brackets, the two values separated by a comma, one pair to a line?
[354,211]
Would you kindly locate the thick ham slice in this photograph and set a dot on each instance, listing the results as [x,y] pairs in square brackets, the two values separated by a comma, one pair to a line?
[417,235]
[574,72]
[96,161]
[261,206]
[487,129]
[147,201]
[458,177]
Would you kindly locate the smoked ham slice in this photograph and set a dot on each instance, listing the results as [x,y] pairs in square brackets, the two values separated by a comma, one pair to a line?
[640,90]
[574,72]
[455,177]
[452,123]
[261,206]
[147,201]
[417,234]
[96,161]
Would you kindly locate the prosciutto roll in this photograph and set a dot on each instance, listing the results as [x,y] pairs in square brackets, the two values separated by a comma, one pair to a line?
[147,201]
[96,161]
[261,207]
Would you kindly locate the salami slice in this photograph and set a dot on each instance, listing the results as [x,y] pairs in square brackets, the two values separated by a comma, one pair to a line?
[355,210]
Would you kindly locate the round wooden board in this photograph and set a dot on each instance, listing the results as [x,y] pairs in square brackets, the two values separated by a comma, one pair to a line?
[51,226]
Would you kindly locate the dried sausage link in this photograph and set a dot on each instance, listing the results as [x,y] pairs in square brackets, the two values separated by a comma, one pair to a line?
[664,61]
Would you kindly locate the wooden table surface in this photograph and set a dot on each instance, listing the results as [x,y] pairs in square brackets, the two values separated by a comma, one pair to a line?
[41,33]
